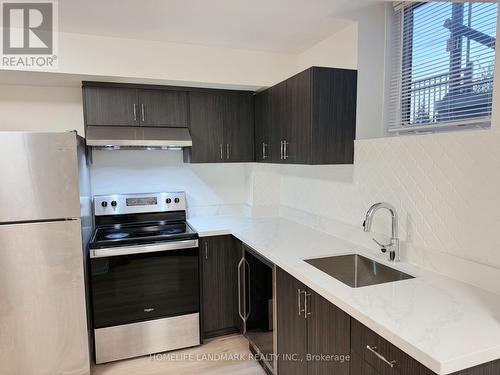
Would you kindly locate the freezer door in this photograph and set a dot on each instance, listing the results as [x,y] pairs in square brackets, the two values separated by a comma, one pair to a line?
[42,310]
[39,174]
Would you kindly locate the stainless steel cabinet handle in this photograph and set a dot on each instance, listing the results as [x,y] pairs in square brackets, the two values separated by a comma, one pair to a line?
[142,112]
[299,293]
[227,151]
[220,148]
[306,309]
[264,151]
[281,150]
[249,293]
[239,289]
[135,112]
[285,150]
[373,349]
[206,250]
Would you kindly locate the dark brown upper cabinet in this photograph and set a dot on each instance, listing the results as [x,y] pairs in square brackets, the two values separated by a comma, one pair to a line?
[221,126]
[309,119]
[263,131]
[163,108]
[113,106]
[123,105]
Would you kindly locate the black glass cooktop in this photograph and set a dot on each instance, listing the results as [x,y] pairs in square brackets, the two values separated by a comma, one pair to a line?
[127,234]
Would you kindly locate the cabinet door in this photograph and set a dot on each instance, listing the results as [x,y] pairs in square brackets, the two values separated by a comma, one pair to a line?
[328,333]
[298,119]
[111,106]
[206,127]
[291,325]
[163,108]
[263,124]
[278,119]
[238,127]
[333,115]
[218,280]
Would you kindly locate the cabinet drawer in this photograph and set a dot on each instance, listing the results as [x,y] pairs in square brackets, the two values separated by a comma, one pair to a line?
[360,367]
[381,354]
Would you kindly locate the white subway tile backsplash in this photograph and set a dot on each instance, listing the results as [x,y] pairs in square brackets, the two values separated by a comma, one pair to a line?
[445,187]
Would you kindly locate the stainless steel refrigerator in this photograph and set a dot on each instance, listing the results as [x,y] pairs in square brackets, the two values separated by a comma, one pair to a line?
[45,224]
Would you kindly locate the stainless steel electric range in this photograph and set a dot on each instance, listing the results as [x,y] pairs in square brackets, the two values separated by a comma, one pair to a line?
[144,276]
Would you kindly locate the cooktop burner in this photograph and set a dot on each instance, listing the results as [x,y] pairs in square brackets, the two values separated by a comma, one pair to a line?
[139,233]
[116,236]
[172,231]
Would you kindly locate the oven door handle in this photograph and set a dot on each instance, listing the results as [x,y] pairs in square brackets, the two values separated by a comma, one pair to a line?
[150,248]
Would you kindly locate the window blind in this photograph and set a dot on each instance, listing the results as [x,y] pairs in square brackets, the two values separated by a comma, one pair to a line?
[443,60]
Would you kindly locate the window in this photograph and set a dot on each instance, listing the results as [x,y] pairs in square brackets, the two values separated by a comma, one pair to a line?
[444,59]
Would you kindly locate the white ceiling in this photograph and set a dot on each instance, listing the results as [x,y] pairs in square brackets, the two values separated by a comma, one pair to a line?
[270,25]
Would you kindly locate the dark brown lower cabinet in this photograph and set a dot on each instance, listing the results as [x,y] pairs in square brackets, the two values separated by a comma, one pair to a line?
[316,337]
[313,334]
[360,367]
[381,355]
[218,266]
[291,325]
[328,337]
[371,354]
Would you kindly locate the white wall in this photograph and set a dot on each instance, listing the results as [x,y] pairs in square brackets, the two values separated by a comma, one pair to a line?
[182,63]
[337,51]
[31,107]
[371,55]
[211,188]
[37,108]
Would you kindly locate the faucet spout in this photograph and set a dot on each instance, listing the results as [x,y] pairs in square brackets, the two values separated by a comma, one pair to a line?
[393,247]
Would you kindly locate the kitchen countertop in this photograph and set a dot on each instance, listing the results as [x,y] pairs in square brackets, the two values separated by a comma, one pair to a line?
[443,323]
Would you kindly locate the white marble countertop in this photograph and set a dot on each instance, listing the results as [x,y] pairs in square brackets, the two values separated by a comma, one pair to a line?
[443,323]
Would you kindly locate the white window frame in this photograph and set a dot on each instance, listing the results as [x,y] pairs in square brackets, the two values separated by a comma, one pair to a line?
[396,125]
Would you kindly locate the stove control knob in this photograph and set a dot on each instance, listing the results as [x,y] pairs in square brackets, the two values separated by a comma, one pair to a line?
[168,201]
[176,200]
[104,204]
[113,203]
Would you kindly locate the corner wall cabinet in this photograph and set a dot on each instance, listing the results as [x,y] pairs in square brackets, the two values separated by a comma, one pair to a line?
[221,126]
[309,118]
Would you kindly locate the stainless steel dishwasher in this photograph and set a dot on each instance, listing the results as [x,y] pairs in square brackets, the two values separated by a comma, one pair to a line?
[256,305]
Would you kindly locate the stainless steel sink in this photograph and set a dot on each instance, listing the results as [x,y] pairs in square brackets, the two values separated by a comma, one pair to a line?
[357,271]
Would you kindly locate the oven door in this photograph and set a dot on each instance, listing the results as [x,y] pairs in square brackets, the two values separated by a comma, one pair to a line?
[135,284]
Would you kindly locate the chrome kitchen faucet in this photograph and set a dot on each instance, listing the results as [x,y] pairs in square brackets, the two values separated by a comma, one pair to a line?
[393,246]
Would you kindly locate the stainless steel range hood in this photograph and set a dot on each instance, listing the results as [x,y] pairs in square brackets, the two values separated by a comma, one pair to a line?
[137,137]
